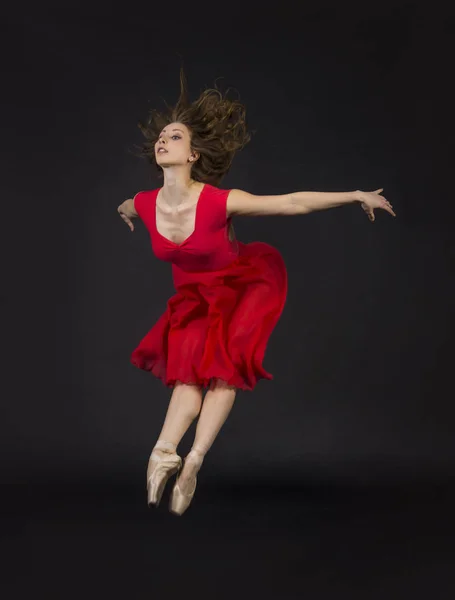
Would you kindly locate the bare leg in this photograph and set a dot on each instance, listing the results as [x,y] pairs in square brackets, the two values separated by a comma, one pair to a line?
[217,405]
[184,407]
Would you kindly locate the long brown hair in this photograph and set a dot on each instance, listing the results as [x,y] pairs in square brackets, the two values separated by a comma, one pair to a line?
[217,128]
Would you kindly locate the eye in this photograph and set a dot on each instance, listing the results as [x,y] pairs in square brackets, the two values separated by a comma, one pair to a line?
[176,136]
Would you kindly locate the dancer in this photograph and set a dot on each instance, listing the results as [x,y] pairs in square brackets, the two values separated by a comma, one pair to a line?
[229,295]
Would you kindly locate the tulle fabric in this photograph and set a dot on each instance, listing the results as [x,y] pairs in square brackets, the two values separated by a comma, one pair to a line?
[218,323]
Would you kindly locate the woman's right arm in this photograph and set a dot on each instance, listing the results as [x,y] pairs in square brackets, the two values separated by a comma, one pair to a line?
[127,211]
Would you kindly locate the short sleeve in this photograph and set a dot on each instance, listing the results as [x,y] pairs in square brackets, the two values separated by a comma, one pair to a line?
[138,202]
[219,202]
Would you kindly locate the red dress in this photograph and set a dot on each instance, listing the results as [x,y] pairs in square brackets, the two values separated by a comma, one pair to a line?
[229,298]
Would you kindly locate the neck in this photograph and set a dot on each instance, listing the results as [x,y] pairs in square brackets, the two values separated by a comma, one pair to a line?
[177,185]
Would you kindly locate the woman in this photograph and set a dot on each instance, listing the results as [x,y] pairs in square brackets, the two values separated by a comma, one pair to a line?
[229,296]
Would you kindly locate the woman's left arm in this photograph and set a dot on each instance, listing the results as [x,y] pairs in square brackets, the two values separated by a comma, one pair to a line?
[300,203]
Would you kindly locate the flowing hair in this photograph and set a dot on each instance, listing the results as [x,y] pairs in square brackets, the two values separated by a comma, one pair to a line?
[217,129]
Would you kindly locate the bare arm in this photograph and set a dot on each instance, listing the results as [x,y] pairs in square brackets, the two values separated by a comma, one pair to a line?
[127,211]
[299,203]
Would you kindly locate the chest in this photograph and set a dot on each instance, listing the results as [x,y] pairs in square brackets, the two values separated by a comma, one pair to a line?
[197,236]
[179,224]
[176,224]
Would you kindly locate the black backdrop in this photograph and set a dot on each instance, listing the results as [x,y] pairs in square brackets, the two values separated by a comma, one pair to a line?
[341,97]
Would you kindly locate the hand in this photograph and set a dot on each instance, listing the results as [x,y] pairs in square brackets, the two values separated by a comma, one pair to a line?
[124,213]
[371,200]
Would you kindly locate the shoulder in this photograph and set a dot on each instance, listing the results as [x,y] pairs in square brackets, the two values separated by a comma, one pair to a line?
[143,200]
[215,203]
[214,191]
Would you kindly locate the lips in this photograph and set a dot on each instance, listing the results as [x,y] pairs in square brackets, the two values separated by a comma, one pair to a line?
[161,151]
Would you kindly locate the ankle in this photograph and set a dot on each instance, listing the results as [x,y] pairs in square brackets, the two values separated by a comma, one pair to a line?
[166,447]
[195,455]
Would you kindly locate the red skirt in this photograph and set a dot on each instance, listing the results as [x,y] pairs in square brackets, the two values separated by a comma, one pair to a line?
[218,323]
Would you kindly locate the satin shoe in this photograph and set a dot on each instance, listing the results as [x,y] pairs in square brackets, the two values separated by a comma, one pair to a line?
[180,500]
[161,468]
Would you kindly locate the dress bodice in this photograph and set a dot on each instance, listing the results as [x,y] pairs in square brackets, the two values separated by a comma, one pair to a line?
[208,247]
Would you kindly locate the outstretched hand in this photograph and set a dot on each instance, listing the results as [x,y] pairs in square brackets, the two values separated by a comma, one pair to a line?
[371,200]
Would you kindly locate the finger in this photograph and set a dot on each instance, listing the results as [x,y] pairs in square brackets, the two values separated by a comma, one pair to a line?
[379,190]
[128,222]
[388,207]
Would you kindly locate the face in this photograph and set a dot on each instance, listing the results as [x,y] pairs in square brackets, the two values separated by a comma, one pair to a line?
[173,146]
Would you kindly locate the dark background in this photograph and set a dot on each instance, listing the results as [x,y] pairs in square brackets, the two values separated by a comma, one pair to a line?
[340,97]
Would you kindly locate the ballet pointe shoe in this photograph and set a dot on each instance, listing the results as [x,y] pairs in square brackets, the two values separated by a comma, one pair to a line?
[180,500]
[163,466]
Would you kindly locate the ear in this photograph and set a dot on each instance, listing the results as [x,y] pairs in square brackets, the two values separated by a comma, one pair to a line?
[194,156]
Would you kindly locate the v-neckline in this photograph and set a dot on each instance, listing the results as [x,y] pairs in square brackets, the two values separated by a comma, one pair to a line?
[177,244]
